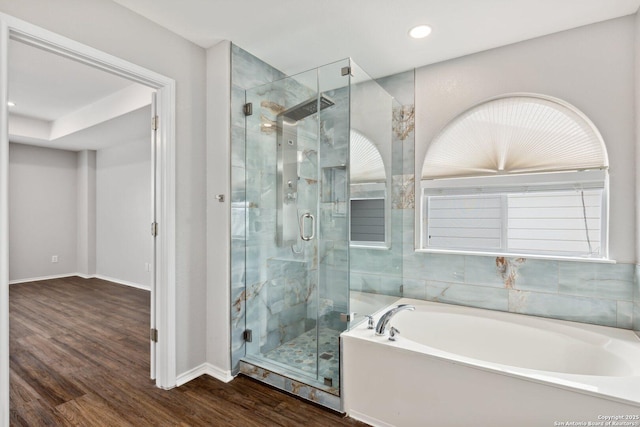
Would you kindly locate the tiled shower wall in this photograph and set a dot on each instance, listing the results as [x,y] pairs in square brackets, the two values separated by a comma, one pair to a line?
[275,290]
[247,72]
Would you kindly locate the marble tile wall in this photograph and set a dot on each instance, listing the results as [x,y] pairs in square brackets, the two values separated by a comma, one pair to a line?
[275,289]
[333,247]
[376,270]
[579,291]
[247,72]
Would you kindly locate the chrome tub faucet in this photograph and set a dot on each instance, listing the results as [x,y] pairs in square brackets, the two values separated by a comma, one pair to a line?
[386,317]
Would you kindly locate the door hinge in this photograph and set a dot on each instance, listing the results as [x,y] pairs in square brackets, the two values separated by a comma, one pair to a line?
[154,229]
[247,335]
[247,109]
[347,317]
[154,123]
[345,71]
[153,335]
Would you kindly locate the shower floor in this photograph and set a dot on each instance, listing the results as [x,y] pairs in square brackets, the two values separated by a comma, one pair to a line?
[302,352]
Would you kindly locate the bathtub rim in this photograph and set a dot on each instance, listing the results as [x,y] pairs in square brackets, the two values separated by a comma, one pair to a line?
[624,389]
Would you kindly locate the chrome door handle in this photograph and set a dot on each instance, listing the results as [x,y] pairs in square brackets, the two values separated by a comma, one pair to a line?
[303,236]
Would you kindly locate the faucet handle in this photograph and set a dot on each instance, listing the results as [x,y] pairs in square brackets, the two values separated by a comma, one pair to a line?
[392,333]
[370,324]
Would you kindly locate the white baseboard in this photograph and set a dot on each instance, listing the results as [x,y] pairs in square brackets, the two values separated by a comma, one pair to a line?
[367,419]
[122,282]
[84,276]
[205,368]
[219,374]
[36,279]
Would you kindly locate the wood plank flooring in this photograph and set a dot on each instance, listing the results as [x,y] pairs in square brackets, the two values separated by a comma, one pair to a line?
[79,356]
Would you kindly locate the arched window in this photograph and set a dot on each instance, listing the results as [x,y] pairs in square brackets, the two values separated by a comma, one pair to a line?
[368,193]
[366,162]
[518,174]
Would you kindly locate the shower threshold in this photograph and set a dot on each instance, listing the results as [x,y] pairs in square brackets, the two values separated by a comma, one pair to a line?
[291,367]
[298,385]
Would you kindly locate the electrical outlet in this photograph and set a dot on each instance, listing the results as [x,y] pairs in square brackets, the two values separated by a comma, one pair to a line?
[54,258]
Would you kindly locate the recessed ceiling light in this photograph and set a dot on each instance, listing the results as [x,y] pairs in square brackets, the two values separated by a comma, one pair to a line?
[420,32]
[11,104]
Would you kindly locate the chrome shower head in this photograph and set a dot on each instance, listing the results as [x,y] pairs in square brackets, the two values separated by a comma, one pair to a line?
[307,108]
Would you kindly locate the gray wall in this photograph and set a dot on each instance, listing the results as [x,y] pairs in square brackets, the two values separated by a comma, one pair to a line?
[86,212]
[636,289]
[42,212]
[90,209]
[109,27]
[218,214]
[123,212]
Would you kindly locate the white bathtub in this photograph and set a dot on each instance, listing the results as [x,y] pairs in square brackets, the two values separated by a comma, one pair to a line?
[460,366]
[363,303]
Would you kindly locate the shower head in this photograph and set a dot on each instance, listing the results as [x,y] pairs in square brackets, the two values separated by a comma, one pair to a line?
[307,108]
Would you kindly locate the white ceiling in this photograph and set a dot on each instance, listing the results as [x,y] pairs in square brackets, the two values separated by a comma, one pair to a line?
[292,35]
[61,103]
[47,86]
[296,35]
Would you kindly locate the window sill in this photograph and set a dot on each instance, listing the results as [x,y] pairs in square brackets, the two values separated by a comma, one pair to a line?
[517,255]
[379,247]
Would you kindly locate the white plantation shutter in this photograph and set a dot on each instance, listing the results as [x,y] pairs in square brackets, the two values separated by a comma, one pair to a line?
[465,222]
[544,222]
[555,222]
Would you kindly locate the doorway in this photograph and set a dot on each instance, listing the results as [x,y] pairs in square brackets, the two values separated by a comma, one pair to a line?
[164,193]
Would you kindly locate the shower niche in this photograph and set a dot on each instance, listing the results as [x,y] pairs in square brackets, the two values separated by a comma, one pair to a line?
[297,189]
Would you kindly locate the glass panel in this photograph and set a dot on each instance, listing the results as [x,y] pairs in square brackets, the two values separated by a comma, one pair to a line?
[375,268]
[297,246]
[333,257]
[281,186]
[298,192]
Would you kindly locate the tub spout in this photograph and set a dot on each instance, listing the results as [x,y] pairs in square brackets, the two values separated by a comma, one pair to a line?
[386,317]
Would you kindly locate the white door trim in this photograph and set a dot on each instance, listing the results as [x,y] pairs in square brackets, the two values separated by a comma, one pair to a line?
[164,304]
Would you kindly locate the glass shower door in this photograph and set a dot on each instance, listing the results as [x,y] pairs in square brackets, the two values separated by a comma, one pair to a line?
[296,232]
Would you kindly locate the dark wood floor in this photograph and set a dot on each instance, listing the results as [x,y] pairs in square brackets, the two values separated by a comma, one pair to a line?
[80,357]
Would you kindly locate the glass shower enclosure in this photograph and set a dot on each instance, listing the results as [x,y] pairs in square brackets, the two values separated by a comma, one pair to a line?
[297,184]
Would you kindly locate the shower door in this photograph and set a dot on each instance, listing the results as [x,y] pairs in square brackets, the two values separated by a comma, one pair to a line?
[297,248]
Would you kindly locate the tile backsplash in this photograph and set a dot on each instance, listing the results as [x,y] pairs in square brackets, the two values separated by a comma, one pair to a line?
[589,292]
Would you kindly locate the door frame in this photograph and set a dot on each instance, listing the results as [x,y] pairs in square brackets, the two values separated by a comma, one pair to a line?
[164,269]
